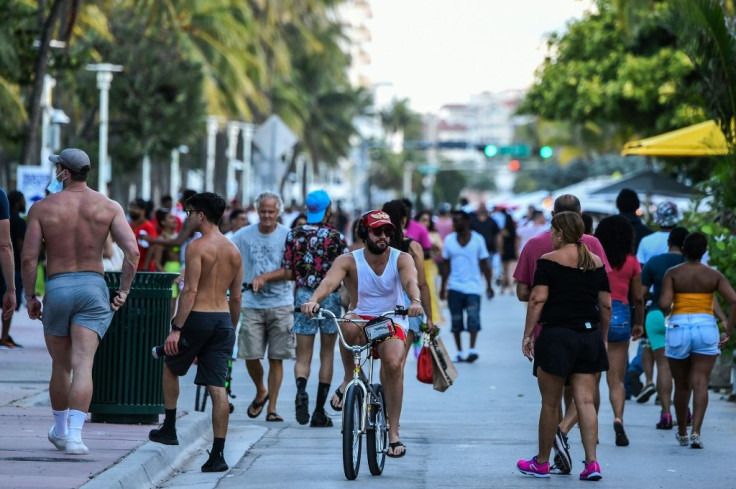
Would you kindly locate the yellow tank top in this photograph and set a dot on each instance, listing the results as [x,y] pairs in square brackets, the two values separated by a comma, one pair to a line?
[693,303]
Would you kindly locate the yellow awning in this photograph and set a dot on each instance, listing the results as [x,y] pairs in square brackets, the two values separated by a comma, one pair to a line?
[704,139]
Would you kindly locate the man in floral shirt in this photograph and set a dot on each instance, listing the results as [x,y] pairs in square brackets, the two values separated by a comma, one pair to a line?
[310,251]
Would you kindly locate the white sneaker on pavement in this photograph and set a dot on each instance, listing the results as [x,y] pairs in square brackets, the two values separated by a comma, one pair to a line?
[74,447]
[58,441]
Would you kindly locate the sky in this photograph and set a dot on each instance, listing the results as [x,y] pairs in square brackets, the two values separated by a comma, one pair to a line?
[436,52]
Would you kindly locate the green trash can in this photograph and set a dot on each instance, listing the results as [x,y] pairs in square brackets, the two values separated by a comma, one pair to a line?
[127,379]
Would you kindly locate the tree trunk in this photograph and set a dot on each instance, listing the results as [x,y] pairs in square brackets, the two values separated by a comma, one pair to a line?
[34,110]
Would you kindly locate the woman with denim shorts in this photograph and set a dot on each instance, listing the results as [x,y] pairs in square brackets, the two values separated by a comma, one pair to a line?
[616,235]
[692,340]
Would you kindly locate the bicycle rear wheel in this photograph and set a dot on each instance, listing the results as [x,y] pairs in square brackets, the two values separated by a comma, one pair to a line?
[351,436]
[377,436]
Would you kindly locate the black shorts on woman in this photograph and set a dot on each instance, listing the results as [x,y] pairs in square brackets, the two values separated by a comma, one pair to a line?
[210,338]
[563,351]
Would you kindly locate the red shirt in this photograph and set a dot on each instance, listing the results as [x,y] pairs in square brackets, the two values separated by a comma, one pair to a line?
[146,228]
[620,279]
[542,244]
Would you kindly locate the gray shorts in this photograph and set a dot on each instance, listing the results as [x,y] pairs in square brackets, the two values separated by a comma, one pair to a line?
[272,327]
[80,298]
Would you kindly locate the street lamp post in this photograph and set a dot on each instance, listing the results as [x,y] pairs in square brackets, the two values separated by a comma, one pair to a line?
[213,123]
[231,184]
[104,78]
[245,175]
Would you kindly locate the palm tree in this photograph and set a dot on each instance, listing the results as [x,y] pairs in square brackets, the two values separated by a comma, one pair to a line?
[220,35]
[315,99]
[49,24]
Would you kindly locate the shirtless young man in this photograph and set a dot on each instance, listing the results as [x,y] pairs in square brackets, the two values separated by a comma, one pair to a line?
[206,319]
[375,277]
[73,222]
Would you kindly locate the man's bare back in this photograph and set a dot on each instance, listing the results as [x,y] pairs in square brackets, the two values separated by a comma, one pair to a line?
[73,225]
[220,264]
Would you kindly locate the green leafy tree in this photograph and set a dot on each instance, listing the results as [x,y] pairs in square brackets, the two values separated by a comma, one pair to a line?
[453,182]
[158,103]
[597,73]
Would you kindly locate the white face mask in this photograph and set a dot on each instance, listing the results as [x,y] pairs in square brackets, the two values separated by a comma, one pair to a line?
[56,185]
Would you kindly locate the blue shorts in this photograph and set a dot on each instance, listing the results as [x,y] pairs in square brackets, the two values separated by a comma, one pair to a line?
[691,333]
[620,328]
[76,298]
[306,326]
[458,302]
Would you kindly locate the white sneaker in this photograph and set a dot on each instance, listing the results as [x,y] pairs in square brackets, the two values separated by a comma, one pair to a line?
[58,441]
[74,447]
[460,357]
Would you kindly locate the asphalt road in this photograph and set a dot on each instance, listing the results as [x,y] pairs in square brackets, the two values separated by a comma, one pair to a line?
[469,436]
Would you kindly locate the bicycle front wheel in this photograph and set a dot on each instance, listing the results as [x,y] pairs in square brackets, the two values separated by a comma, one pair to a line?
[351,435]
[377,436]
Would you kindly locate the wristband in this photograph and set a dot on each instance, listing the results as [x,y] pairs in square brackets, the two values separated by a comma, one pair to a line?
[417,300]
[174,327]
[30,296]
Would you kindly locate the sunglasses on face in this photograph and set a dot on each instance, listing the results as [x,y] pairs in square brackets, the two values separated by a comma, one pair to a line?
[190,211]
[382,231]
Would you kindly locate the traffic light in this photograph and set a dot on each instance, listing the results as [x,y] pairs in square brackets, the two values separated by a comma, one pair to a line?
[546,152]
[490,150]
[514,165]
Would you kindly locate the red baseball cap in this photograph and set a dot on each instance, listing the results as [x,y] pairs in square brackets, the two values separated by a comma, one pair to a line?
[376,219]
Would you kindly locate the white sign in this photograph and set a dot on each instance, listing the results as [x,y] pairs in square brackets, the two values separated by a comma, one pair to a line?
[32,182]
[273,138]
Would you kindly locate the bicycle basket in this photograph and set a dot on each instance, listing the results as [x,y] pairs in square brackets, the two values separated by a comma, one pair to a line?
[379,328]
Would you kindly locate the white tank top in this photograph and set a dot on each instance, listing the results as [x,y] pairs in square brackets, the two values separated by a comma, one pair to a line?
[379,293]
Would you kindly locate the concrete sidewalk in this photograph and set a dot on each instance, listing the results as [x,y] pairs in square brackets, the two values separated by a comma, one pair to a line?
[29,460]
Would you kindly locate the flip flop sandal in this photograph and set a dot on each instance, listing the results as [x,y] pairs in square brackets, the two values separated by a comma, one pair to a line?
[335,406]
[273,417]
[393,446]
[256,408]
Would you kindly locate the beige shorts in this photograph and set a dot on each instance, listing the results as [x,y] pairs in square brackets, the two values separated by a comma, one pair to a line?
[272,327]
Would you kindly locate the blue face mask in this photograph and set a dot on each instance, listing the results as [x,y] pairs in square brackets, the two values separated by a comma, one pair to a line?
[55,186]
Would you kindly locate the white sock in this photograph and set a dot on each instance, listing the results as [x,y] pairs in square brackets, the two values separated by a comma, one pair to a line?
[60,420]
[76,421]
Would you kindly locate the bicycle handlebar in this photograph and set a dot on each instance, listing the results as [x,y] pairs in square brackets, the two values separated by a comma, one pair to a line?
[398,311]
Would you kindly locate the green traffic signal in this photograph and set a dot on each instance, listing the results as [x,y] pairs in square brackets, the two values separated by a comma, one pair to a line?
[490,150]
[546,152]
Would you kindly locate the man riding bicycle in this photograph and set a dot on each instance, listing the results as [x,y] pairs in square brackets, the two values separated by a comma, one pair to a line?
[374,277]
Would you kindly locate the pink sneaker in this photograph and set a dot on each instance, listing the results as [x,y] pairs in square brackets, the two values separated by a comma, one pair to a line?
[532,467]
[592,472]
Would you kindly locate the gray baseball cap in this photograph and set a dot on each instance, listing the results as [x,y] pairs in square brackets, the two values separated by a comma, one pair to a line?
[71,158]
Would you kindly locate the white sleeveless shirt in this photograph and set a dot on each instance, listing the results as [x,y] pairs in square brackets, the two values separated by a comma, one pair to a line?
[379,293]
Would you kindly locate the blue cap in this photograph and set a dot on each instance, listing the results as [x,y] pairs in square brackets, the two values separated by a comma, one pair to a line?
[317,204]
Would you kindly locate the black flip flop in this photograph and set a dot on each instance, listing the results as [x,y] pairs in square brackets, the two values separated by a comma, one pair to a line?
[339,396]
[256,405]
[394,446]
[273,417]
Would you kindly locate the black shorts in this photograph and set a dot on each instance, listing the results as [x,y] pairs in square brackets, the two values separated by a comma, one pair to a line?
[562,352]
[210,337]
